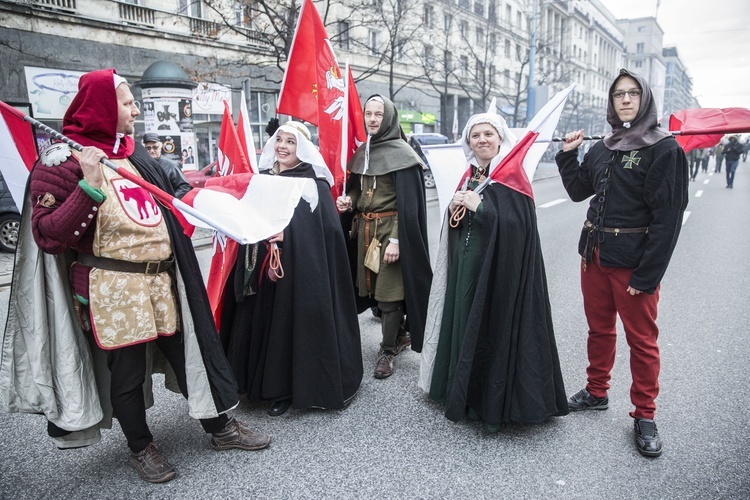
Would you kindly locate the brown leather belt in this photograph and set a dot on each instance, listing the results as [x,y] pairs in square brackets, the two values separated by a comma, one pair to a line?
[588,225]
[150,267]
[368,217]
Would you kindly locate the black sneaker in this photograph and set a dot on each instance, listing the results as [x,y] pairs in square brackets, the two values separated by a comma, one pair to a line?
[647,438]
[583,400]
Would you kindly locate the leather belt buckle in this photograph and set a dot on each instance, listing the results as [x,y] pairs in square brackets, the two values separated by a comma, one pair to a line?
[152,267]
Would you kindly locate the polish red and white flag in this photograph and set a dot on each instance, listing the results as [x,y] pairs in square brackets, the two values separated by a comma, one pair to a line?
[257,206]
[245,133]
[17,151]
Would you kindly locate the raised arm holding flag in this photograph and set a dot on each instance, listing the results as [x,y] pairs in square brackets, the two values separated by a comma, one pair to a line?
[637,181]
[135,284]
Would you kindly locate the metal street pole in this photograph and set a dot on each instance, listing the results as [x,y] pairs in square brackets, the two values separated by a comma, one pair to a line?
[531,99]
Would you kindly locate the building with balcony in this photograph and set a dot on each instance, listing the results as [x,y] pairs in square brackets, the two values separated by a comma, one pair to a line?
[47,44]
[435,59]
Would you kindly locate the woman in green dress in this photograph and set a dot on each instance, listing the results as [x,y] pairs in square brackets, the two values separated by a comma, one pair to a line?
[490,351]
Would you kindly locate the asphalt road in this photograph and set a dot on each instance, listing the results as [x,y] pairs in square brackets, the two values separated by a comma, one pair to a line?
[394,443]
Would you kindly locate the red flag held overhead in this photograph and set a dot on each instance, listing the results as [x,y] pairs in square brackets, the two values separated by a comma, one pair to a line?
[704,127]
[315,92]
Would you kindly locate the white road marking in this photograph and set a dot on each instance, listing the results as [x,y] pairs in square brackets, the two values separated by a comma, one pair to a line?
[706,181]
[553,203]
[685,217]
[699,193]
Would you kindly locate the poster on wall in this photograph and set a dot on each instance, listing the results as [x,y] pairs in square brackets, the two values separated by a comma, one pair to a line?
[51,91]
[168,112]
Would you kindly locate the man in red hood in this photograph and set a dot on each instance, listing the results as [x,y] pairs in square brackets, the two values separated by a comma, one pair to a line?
[134,274]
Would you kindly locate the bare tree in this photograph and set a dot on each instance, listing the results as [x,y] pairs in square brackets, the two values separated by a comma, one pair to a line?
[436,61]
[390,34]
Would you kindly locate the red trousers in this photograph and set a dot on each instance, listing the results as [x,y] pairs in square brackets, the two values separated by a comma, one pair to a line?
[605,296]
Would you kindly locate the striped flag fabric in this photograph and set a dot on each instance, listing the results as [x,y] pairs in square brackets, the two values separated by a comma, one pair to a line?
[17,151]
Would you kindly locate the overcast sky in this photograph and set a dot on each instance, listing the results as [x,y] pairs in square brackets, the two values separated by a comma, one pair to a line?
[712,39]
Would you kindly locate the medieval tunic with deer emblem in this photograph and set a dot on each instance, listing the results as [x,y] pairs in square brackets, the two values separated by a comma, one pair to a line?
[128,308]
[119,221]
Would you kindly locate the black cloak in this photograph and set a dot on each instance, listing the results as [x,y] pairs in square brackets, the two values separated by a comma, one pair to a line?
[508,368]
[223,384]
[301,335]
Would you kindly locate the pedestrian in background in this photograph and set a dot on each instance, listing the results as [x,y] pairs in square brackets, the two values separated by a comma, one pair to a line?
[732,152]
[696,160]
[638,177]
[177,179]
[719,154]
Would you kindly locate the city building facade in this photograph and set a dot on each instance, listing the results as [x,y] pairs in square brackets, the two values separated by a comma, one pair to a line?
[440,61]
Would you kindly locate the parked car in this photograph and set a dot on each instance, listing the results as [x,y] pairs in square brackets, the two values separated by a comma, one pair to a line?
[10,219]
[416,141]
[198,178]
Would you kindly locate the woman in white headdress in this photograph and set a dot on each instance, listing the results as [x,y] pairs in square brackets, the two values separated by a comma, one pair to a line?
[296,341]
[489,350]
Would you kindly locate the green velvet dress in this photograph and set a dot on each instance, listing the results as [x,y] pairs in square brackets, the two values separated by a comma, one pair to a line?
[459,296]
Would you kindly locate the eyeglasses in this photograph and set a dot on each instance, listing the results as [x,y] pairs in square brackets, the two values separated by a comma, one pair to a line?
[632,93]
[153,148]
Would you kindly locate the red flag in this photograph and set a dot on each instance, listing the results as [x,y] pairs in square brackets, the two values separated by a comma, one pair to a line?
[231,158]
[353,128]
[315,92]
[231,162]
[17,151]
[704,127]
[510,171]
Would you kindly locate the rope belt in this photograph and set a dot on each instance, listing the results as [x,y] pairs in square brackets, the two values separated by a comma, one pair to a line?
[369,217]
[150,267]
[614,230]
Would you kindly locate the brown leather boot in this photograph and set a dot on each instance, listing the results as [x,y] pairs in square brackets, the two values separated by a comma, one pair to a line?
[237,435]
[151,465]
[384,364]
[402,341]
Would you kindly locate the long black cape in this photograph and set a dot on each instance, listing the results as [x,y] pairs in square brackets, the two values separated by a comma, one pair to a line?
[508,369]
[304,341]
[223,384]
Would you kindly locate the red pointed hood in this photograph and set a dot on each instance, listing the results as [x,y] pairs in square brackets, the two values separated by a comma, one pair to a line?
[91,119]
